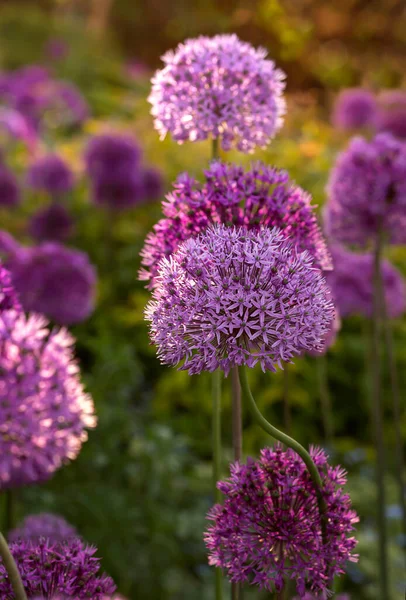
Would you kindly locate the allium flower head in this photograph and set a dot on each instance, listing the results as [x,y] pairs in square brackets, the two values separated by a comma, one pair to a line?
[232,297]
[8,296]
[118,192]
[50,174]
[330,336]
[355,108]
[268,529]
[43,525]
[57,570]
[351,284]
[52,223]
[218,87]
[260,197]
[55,281]
[152,183]
[392,113]
[111,155]
[44,411]
[9,188]
[367,191]
[16,125]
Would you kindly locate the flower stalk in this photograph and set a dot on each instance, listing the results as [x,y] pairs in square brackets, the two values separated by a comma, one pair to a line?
[11,567]
[216,431]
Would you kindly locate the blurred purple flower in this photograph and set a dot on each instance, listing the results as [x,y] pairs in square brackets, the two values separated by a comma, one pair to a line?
[55,281]
[50,174]
[17,126]
[392,114]
[218,87]
[57,570]
[43,525]
[8,296]
[152,183]
[68,101]
[232,297]
[263,196]
[112,155]
[56,49]
[355,108]
[367,191]
[44,411]
[118,193]
[52,223]
[351,284]
[267,531]
[9,188]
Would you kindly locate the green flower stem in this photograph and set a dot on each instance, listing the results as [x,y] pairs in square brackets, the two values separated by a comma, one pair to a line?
[377,414]
[287,441]
[215,148]
[325,400]
[236,591]
[12,570]
[216,395]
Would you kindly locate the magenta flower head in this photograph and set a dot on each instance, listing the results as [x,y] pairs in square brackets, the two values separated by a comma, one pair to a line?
[268,532]
[44,411]
[260,197]
[8,296]
[55,281]
[50,174]
[10,195]
[43,525]
[233,297]
[355,108]
[57,570]
[109,155]
[218,87]
[351,284]
[367,191]
[392,113]
[52,223]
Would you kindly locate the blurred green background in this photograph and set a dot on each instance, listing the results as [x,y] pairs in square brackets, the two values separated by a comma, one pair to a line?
[141,487]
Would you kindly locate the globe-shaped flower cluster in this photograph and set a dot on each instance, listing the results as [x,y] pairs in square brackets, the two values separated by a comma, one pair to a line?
[43,525]
[50,174]
[52,223]
[259,197]
[268,529]
[44,411]
[354,108]
[218,87]
[232,297]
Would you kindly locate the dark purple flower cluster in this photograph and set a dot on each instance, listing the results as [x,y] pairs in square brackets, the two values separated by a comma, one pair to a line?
[232,297]
[52,223]
[50,174]
[351,283]
[44,411]
[260,197]
[118,179]
[355,108]
[57,570]
[9,189]
[218,87]
[53,280]
[367,191]
[43,525]
[268,529]
[8,296]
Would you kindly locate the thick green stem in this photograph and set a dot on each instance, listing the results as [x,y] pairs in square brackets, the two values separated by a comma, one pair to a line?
[215,148]
[237,442]
[286,440]
[377,414]
[12,570]
[287,416]
[325,400]
[216,394]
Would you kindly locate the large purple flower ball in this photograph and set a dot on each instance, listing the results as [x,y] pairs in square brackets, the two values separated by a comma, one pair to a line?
[44,411]
[218,87]
[259,197]
[43,525]
[355,108]
[268,532]
[232,297]
[50,174]
[111,155]
[367,192]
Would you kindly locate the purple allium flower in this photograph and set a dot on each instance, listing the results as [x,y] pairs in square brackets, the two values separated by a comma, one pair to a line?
[17,126]
[50,174]
[9,188]
[43,525]
[55,281]
[351,284]
[152,183]
[44,411]
[57,570]
[355,108]
[66,101]
[268,532]
[392,114]
[112,155]
[52,223]
[367,191]
[118,192]
[218,87]
[260,197]
[232,297]
[8,296]
[329,338]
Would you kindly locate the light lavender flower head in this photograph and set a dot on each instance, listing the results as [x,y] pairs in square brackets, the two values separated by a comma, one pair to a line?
[43,525]
[355,108]
[267,531]
[218,87]
[262,196]
[44,411]
[53,571]
[367,192]
[232,297]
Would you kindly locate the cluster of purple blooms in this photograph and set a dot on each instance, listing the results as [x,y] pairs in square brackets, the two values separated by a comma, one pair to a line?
[268,530]
[50,174]
[118,178]
[218,87]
